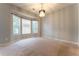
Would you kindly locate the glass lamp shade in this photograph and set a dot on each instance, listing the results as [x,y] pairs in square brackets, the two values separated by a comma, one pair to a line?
[42,13]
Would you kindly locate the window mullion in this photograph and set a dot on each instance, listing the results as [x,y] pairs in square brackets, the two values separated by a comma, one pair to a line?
[21,26]
[31,27]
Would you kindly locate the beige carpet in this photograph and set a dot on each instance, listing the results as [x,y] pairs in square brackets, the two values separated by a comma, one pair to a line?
[39,47]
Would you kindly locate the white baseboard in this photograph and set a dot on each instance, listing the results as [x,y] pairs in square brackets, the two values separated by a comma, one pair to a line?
[66,41]
[4,44]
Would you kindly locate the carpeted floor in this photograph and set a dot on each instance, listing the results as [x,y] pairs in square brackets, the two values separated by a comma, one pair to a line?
[39,47]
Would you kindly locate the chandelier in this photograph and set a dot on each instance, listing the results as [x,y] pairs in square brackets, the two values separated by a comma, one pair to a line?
[42,11]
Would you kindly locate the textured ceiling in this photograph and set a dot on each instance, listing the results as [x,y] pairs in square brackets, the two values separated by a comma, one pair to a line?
[35,7]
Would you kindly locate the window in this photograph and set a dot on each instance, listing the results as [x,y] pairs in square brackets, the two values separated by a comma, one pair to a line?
[16,24]
[35,26]
[26,26]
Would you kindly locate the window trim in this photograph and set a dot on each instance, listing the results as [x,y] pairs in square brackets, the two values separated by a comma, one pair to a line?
[12,25]
[28,18]
[38,27]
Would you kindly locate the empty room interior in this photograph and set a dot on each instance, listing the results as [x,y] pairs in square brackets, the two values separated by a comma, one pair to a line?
[39,29]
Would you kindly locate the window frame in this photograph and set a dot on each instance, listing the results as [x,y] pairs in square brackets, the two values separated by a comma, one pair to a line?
[30,27]
[38,27]
[31,19]
[20,25]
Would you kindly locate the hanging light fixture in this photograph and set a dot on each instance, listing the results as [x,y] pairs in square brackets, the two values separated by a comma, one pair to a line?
[42,11]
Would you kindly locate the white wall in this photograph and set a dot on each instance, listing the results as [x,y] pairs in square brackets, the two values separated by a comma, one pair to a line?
[4,23]
[78,23]
[61,24]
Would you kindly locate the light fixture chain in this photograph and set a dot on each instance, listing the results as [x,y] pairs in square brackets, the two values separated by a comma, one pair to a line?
[41,6]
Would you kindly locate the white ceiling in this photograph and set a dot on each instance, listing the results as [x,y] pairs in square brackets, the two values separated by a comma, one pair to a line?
[35,7]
